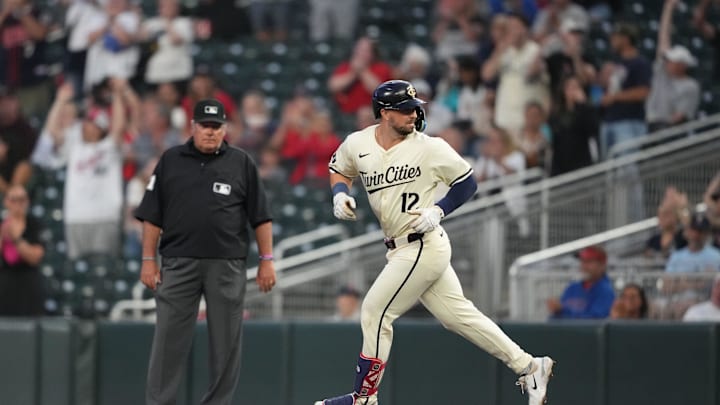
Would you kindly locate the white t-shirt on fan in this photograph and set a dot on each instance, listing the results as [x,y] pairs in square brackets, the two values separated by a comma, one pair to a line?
[93,185]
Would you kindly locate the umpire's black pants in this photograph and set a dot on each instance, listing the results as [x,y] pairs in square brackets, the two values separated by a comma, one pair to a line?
[184,280]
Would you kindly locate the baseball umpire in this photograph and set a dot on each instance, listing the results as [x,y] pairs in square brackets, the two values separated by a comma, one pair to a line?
[400,166]
[201,198]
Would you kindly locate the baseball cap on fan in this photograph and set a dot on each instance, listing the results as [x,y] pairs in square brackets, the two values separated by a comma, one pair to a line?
[595,253]
[679,53]
[209,110]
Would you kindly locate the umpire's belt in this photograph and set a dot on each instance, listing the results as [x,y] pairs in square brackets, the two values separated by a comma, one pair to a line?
[394,243]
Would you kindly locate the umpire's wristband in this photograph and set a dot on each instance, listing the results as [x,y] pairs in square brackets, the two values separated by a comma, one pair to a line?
[340,187]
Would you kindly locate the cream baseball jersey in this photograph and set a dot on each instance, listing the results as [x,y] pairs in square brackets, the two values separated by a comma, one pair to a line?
[401,178]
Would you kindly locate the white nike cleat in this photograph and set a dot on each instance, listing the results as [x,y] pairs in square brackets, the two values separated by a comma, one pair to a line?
[535,383]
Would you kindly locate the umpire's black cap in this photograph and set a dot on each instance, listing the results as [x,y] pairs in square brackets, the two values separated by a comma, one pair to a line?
[209,110]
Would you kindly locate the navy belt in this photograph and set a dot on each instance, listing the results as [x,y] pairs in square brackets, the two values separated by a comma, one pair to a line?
[394,243]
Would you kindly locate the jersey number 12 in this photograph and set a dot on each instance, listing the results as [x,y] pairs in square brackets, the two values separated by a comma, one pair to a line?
[408,201]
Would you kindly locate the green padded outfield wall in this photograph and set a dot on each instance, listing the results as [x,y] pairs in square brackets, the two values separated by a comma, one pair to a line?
[19,362]
[58,362]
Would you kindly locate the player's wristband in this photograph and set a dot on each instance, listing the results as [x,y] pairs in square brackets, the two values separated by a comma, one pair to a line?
[340,187]
[149,258]
[266,257]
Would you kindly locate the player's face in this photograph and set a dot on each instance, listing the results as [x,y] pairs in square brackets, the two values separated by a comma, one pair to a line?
[208,136]
[402,121]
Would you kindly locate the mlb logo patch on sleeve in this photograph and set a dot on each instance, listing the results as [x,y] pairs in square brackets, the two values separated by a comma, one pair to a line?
[222,188]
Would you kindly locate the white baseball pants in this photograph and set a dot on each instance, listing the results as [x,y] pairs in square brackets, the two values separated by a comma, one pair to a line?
[422,270]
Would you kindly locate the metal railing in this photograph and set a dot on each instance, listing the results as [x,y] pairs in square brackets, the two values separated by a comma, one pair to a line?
[540,275]
[667,300]
[664,135]
[141,308]
[490,233]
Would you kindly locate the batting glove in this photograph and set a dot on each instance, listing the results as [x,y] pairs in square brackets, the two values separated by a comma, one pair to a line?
[344,207]
[428,218]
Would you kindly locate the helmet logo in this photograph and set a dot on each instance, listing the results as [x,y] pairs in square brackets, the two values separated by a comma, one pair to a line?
[411,91]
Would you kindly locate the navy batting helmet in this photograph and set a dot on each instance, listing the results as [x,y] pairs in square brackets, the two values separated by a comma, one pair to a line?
[398,95]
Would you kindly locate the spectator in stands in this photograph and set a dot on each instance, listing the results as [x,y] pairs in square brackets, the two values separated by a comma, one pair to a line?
[457,29]
[134,192]
[113,50]
[93,186]
[347,305]
[270,169]
[21,251]
[499,157]
[438,117]
[221,19]
[353,81]
[517,63]
[471,100]
[447,88]
[631,304]
[674,95]
[171,35]
[528,8]
[565,55]
[711,198]
[455,137]
[338,16]
[294,120]
[549,20]
[498,30]
[169,95]
[364,116]
[278,11]
[628,86]
[64,115]
[670,235]
[698,255]
[574,125]
[156,134]
[81,19]
[17,140]
[533,143]
[310,147]
[601,10]
[710,31]
[591,297]
[23,29]
[414,65]
[257,122]
[707,311]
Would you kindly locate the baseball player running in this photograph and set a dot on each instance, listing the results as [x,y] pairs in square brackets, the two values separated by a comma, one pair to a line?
[400,167]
